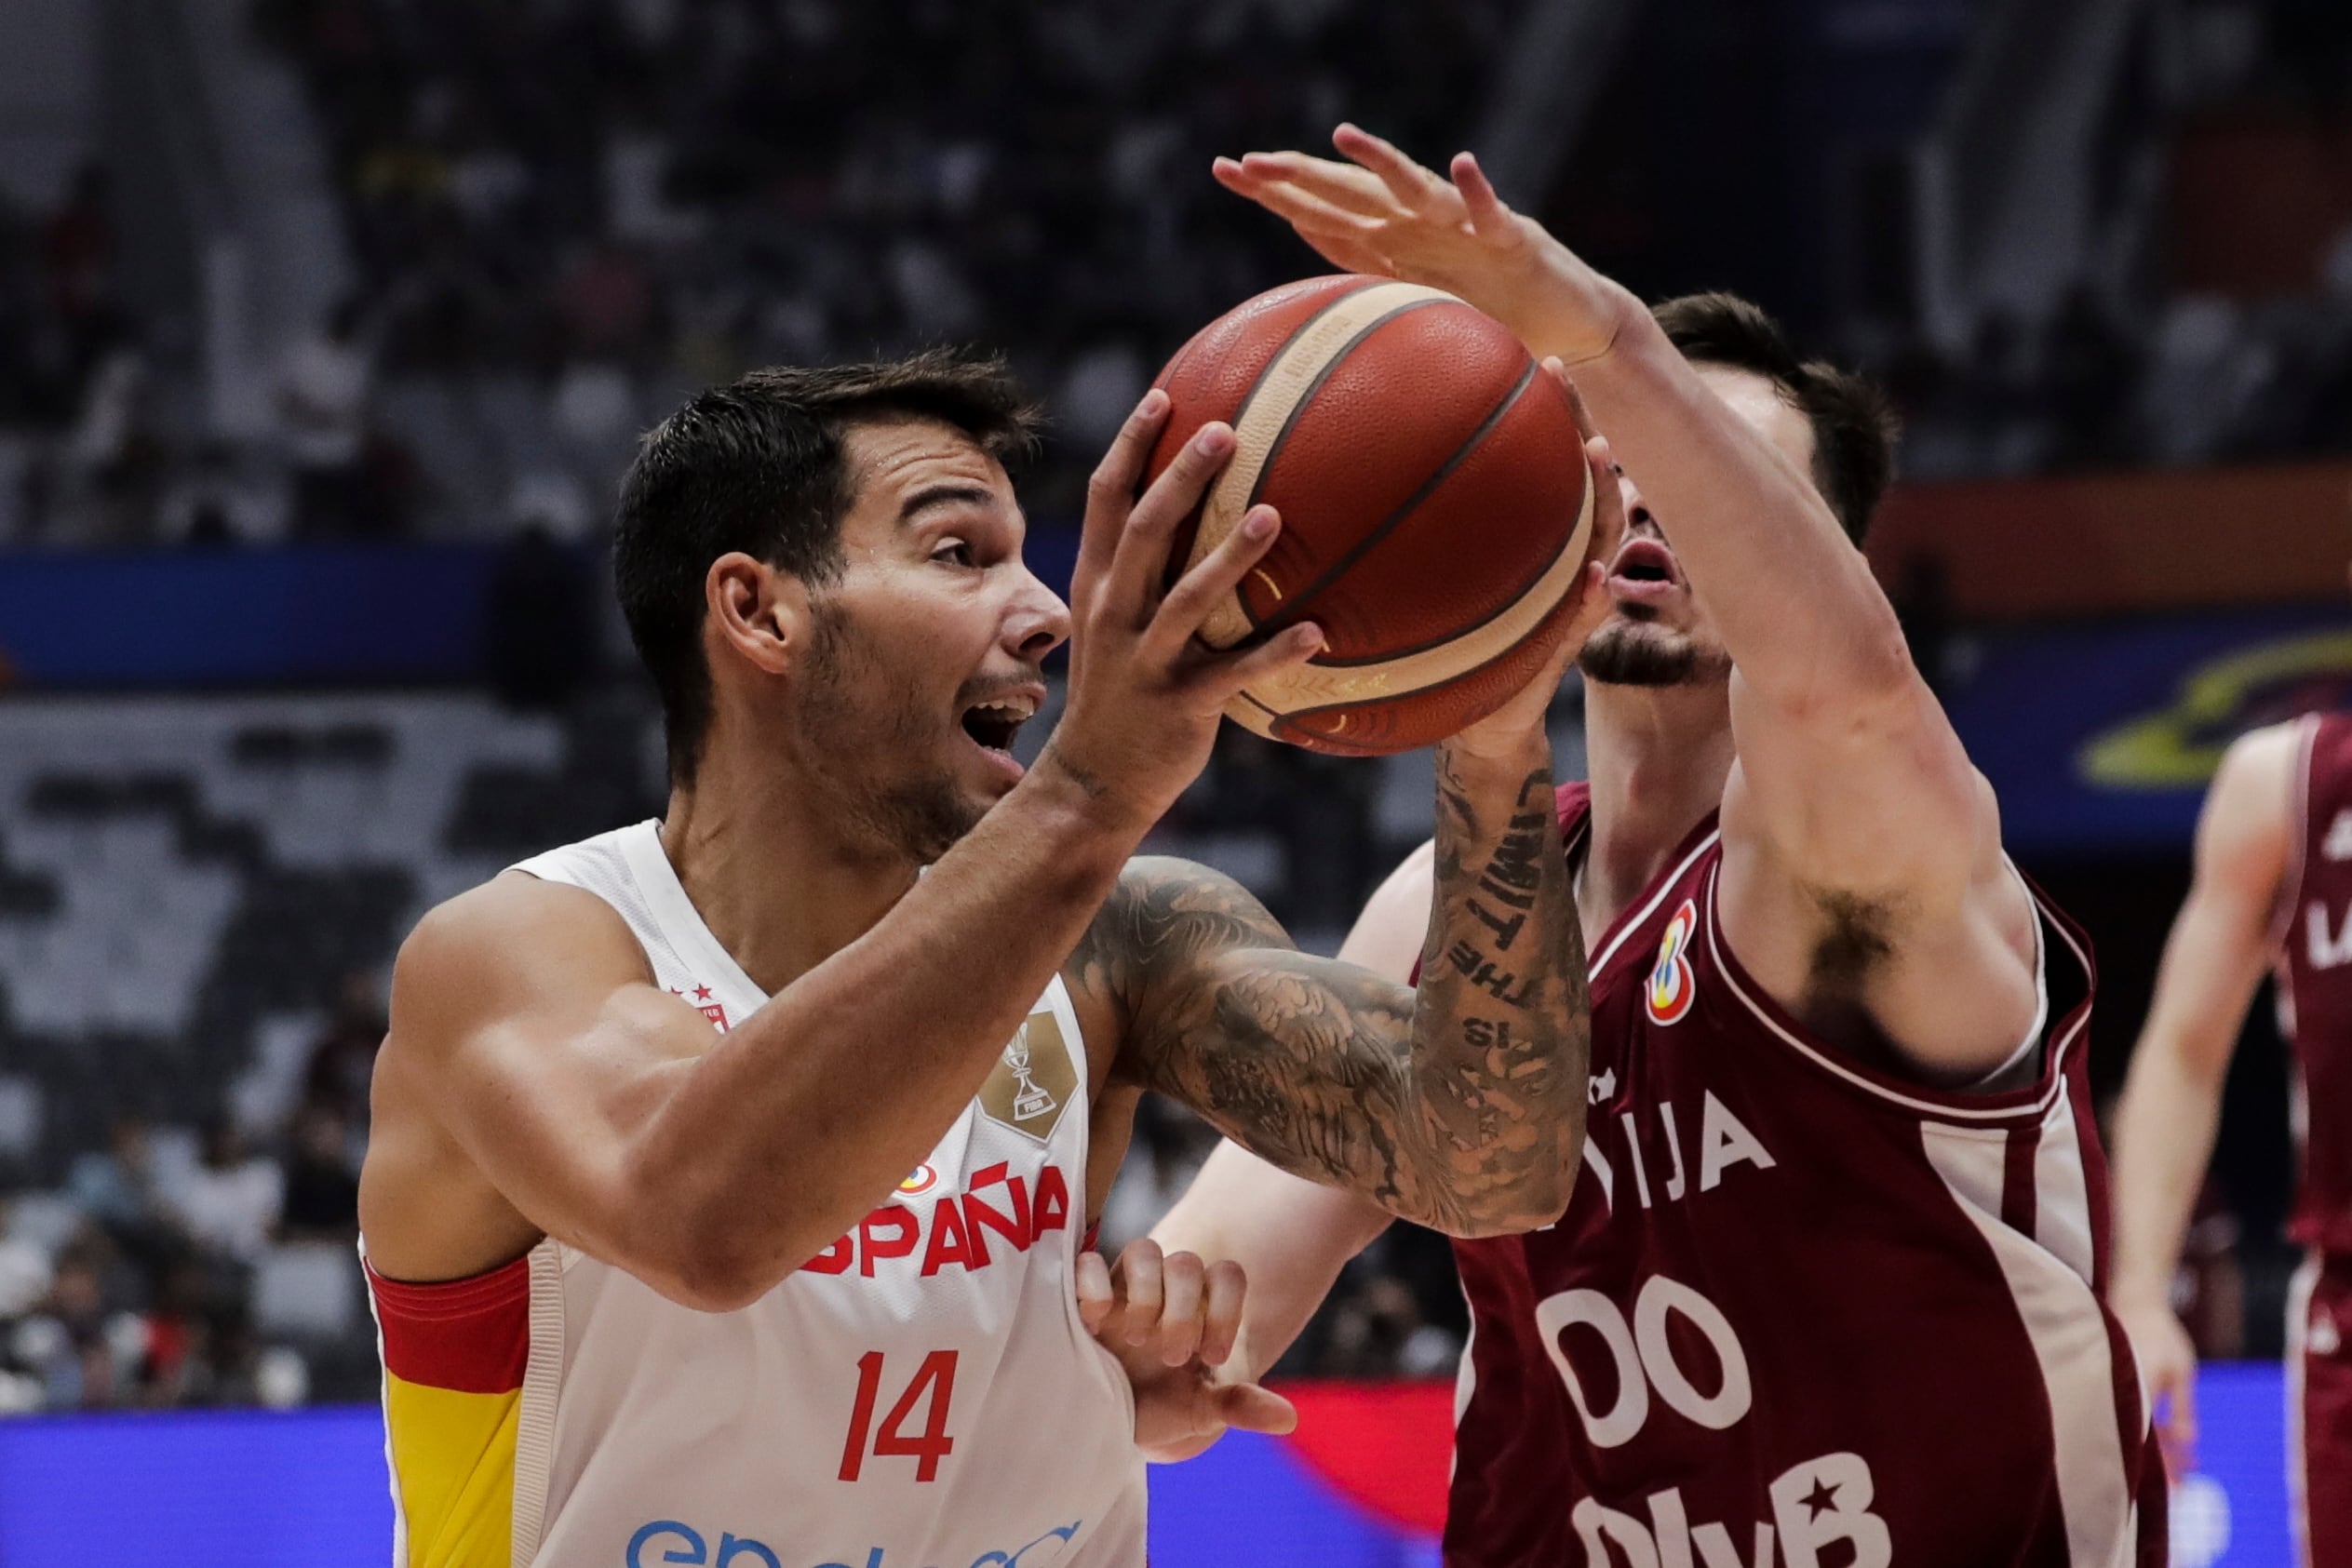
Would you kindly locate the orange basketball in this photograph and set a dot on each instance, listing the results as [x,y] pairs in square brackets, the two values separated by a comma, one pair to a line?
[1435,501]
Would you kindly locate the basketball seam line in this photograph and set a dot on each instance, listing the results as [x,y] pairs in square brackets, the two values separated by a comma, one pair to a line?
[1178,565]
[1266,370]
[1502,607]
[1306,399]
[1292,716]
[1168,371]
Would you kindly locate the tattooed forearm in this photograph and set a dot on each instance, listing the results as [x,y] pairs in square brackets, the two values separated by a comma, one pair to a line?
[1503,980]
[1460,1106]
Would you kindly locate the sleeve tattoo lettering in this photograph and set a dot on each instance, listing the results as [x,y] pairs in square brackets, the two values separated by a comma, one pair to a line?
[1460,1106]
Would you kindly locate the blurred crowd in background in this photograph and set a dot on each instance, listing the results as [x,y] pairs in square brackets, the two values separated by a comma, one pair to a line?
[560,216]
[564,217]
[133,1285]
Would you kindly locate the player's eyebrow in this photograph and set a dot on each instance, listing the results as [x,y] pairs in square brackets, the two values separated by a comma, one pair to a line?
[944,494]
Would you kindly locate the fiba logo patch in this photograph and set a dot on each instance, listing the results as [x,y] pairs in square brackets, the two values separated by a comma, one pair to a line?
[1672,985]
[923,1181]
[1033,1081]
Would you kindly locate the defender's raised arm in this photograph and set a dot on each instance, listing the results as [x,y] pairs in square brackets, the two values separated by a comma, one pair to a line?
[1853,822]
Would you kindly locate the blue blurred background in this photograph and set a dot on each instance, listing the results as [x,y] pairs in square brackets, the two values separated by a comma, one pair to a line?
[307,1489]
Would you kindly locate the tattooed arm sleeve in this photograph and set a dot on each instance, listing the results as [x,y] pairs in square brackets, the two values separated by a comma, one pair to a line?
[1460,1106]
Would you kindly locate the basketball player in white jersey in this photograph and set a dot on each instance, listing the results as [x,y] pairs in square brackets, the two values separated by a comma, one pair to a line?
[730,1172]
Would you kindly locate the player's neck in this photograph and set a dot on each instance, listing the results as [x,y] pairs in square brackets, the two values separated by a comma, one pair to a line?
[779,887]
[1657,757]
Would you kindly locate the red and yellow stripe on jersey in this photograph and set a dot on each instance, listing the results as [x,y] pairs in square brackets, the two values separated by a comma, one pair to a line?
[455,1356]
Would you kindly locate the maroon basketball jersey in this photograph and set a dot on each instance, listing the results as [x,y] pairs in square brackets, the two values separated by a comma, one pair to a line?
[2315,980]
[1800,1314]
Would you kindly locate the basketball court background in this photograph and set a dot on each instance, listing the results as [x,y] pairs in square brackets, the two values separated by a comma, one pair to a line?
[326,326]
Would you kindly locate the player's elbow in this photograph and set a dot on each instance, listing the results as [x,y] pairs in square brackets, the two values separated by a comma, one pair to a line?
[699,1246]
[1536,1194]
[709,1268]
[1489,1221]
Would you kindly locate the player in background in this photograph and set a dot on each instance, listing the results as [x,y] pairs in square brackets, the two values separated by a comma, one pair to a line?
[729,1171]
[2273,888]
[1827,1290]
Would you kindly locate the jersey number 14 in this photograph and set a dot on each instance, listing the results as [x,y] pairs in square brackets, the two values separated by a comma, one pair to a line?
[933,1387]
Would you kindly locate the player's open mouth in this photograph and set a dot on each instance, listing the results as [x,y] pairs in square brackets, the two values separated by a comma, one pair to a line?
[1643,572]
[993,724]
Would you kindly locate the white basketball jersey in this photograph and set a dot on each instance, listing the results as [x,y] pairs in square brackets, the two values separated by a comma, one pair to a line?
[920,1395]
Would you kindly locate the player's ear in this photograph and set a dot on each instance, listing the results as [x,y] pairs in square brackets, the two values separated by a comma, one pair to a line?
[760,612]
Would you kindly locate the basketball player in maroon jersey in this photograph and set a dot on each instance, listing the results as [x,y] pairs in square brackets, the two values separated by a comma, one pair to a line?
[2273,888]
[1828,1289]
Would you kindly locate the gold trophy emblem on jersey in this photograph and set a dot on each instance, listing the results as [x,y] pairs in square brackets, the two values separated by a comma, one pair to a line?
[1032,1081]
[1028,1100]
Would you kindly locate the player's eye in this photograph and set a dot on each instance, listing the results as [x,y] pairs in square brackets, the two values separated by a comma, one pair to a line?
[952,552]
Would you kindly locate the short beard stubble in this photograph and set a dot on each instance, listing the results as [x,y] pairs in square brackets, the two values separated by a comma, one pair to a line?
[920,816]
[1635,652]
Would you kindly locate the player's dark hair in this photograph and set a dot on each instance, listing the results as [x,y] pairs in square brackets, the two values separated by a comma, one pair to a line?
[758,466]
[1854,426]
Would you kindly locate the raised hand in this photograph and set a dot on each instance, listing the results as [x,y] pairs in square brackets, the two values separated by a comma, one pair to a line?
[1382,213]
[1172,1323]
[1145,694]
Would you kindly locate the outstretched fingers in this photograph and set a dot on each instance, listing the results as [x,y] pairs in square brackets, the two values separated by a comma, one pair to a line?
[1110,492]
[1200,590]
[1343,187]
[1412,185]
[1206,585]
[1291,648]
[1489,218]
[1139,558]
[1343,238]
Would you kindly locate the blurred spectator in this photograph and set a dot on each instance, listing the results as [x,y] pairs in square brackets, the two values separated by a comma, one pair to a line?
[324,387]
[1380,1333]
[25,1274]
[117,454]
[322,1191]
[71,1343]
[117,1188]
[2209,1287]
[2090,367]
[343,1060]
[222,499]
[232,1200]
[77,252]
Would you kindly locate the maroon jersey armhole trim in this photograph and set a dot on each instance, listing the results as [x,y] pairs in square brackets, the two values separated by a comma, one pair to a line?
[2019,1105]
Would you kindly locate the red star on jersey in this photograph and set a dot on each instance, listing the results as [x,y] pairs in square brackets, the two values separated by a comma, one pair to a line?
[702,993]
[1824,1497]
